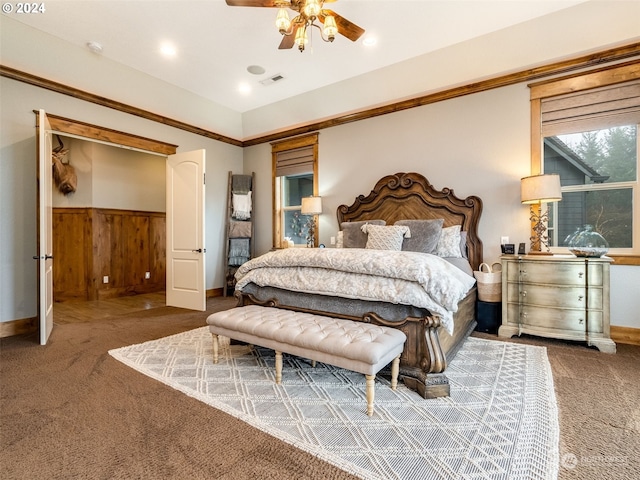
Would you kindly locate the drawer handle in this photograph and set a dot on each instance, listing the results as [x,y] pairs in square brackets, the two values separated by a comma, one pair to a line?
[580,297]
[523,272]
[581,321]
[580,274]
[523,293]
[523,314]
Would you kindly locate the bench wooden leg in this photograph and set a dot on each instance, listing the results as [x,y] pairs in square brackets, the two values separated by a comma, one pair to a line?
[371,380]
[395,368]
[215,347]
[278,367]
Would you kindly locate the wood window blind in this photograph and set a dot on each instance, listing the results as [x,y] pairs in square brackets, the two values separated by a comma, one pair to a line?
[594,109]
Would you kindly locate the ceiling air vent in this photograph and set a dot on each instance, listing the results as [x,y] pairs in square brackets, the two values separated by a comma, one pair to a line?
[272,80]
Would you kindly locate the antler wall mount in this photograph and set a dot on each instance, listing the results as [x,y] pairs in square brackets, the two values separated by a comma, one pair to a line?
[297,31]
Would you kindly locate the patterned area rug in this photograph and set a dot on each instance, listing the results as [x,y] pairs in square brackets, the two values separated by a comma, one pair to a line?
[500,421]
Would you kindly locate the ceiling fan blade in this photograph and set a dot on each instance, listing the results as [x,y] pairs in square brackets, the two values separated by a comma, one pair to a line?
[252,3]
[288,41]
[345,27]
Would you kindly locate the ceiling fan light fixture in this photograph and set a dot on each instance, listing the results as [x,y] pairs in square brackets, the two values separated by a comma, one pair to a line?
[301,38]
[330,28]
[283,22]
[310,14]
[312,8]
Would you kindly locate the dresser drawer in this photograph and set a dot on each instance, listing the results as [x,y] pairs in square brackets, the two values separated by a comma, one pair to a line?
[554,296]
[557,319]
[572,273]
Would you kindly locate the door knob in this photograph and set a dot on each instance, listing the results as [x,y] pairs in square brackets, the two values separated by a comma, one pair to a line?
[199,250]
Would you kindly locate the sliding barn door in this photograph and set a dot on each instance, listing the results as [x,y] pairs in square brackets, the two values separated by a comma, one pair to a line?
[185,230]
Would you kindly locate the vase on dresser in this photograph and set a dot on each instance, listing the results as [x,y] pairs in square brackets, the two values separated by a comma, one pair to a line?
[557,296]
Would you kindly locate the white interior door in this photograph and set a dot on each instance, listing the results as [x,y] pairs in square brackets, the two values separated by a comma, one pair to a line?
[185,230]
[45,243]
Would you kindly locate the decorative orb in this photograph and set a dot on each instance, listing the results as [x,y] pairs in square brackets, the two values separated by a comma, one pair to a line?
[588,243]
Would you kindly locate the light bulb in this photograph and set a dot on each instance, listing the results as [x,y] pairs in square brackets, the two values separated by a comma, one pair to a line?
[312,8]
[330,28]
[282,21]
[301,38]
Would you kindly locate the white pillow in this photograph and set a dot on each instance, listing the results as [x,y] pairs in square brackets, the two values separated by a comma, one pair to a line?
[449,243]
[385,237]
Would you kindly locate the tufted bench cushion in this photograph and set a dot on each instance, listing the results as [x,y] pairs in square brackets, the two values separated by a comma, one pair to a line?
[357,346]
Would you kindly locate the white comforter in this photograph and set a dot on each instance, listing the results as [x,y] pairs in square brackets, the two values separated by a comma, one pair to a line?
[409,278]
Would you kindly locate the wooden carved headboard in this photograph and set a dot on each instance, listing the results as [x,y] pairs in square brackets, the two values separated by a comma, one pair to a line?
[410,196]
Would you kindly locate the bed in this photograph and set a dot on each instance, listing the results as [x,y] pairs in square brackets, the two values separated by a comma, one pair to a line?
[399,200]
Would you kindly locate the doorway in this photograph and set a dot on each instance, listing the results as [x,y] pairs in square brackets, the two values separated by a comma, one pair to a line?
[118,206]
[109,234]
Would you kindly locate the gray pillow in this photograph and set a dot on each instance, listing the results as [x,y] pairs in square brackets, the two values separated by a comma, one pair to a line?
[424,235]
[463,244]
[353,236]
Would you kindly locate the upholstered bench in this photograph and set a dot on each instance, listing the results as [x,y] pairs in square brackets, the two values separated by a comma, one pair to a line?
[357,346]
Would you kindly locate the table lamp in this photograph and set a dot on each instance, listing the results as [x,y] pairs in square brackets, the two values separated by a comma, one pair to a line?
[536,190]
[311,206]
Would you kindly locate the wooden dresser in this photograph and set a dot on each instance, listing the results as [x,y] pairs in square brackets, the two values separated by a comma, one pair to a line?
[557,296]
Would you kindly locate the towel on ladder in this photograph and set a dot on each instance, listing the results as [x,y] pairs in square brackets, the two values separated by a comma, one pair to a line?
[242,206]
[238,251]
[239,229]
[241,184]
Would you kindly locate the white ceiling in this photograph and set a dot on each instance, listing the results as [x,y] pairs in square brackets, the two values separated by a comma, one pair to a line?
[216,42]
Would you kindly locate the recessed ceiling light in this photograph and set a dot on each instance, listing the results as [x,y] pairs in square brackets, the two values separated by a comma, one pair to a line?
[255,69]
[168,50]
[369,41]
[244,88]
[95,47]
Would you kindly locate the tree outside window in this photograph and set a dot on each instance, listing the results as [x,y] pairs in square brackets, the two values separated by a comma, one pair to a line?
[598,173]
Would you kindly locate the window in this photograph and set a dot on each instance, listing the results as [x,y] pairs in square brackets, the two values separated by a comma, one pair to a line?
[295,173]
[585,128]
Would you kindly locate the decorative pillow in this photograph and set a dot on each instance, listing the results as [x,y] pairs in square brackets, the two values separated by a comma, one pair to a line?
[424,235]
[463,245]
[353,236]
[385,238]
[449,243]
[462,264]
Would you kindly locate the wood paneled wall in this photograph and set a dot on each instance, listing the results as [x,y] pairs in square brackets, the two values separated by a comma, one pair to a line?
[91,243]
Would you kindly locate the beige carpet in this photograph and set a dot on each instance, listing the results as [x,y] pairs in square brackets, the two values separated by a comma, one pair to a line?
[69,410]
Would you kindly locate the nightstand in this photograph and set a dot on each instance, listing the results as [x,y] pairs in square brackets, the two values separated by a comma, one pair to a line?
[557,296]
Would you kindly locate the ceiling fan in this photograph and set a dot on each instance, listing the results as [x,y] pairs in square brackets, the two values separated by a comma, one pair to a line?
[297,31]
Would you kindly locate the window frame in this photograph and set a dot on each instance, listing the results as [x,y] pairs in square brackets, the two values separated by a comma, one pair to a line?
[601,77]
[278,210]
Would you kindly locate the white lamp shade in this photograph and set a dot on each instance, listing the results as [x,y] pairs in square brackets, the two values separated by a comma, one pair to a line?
[311,206]
[540,189]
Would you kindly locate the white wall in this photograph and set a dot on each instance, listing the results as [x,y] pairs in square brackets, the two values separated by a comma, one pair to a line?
[80,157]
[30,50]
[126,179]
[478,145]
[18,284]
[113,177]
[586,27]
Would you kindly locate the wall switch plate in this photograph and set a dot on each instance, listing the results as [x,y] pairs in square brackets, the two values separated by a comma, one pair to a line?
[333,240]
[105,279]
[504,240]
[147,275]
